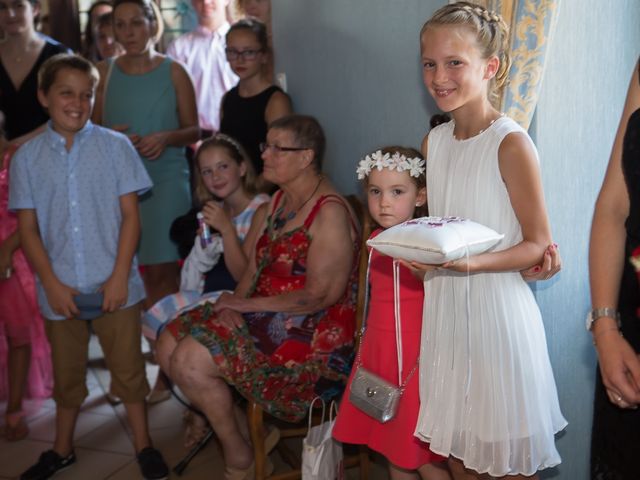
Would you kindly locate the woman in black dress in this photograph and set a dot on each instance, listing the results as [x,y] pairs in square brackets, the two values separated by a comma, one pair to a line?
[21,55]
[615,295]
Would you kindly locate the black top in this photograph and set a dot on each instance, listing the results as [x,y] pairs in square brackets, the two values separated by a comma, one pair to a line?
[615,439]
[21,107]
[243,119]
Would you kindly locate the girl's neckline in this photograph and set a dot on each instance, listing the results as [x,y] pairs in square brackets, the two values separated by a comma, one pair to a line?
[256,94]
[480,133]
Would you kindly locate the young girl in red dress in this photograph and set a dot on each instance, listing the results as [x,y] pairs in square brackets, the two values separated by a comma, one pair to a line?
[394,179]
[25,363]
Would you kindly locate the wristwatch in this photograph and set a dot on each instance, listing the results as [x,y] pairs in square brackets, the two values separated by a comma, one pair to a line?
[597,313]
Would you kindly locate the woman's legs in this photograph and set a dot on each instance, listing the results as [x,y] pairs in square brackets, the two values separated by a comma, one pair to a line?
[397,473]
[430,471]
[19,359]
[460,472]
[160,280]
[18,363]
[435,471]
[193,370]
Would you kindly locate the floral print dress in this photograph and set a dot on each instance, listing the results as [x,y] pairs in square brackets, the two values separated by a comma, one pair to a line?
[281,360]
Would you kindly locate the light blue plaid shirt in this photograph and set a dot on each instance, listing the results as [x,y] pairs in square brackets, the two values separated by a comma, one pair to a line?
[76,198]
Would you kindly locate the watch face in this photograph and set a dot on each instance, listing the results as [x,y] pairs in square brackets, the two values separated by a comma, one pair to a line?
[589,322]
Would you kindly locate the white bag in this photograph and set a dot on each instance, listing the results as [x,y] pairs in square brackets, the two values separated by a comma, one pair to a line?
[322,457]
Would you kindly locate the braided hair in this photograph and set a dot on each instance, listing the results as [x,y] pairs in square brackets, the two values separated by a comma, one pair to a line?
[491,31]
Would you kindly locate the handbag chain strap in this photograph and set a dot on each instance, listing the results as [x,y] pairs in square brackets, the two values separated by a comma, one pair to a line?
[396,311]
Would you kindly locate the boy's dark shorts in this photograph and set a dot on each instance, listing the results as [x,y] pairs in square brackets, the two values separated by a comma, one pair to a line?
[119,334]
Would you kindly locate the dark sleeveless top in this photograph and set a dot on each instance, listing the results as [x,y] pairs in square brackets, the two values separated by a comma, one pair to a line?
[615,440]
[21,107]
[243,119]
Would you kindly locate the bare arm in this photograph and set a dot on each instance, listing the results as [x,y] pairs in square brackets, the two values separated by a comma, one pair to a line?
[521,175]
[279,105]
[96,116]
[237,260]
[260,223]
[235,255]
[329,263]
[59,295]
[7,247]
[619,364]
[116,287]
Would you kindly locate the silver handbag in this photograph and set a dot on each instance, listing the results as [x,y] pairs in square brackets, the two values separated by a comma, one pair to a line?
[373,395]
[370,393]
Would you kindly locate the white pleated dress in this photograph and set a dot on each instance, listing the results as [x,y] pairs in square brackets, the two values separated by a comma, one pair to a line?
[487,391]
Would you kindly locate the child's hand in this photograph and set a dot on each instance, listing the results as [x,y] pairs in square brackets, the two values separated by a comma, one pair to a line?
[6,265]
[460,265]
[60,298]
[152,146]
[116,292]
[419,267]
[551,264]
[417,272]
[216,217]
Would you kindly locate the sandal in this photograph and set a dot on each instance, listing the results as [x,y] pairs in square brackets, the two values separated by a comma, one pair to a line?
[196,428]
[15,426]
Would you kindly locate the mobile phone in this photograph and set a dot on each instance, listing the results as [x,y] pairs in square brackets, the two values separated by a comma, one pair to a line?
[89,305]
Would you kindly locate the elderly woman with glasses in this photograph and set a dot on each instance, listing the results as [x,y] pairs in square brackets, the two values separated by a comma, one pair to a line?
[286,334]
[255,102]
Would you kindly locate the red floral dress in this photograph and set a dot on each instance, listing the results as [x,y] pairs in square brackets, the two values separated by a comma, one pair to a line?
[281,360]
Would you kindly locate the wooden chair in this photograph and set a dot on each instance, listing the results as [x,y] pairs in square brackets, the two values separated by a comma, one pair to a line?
[255,414]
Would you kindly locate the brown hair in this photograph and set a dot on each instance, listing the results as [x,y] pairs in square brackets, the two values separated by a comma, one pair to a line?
[236,152]
[151,12]
[420,181]
[492,33]
[89,28]
[49,69]
[307,133]
[254,26]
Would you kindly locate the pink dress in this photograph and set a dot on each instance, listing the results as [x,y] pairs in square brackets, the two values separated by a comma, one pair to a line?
[394,439]
[20,320]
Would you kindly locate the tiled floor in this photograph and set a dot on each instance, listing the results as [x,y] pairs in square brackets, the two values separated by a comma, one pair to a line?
[102,441]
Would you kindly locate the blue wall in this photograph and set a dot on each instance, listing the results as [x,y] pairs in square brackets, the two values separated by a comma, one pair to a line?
[355,65]
[589,66]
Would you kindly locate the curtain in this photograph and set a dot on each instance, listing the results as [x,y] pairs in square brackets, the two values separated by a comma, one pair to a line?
[531,25]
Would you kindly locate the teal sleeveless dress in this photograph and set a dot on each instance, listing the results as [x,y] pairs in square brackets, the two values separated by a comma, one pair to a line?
[148,104]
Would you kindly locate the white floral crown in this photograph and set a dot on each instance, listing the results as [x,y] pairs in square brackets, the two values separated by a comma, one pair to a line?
[397,162]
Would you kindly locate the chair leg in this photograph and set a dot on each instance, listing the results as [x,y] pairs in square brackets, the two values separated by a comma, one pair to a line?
[363,456]
[255,418]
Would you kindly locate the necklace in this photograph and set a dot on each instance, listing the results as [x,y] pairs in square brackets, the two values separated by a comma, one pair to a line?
[482,130]
[281,220]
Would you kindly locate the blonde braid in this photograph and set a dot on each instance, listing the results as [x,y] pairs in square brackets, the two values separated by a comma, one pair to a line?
[491,30]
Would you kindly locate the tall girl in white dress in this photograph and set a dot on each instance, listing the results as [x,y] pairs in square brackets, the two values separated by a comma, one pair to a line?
[488,397]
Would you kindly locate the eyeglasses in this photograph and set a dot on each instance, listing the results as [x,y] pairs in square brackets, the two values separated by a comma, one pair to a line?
[278,149]
[15,6]
[233,54]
